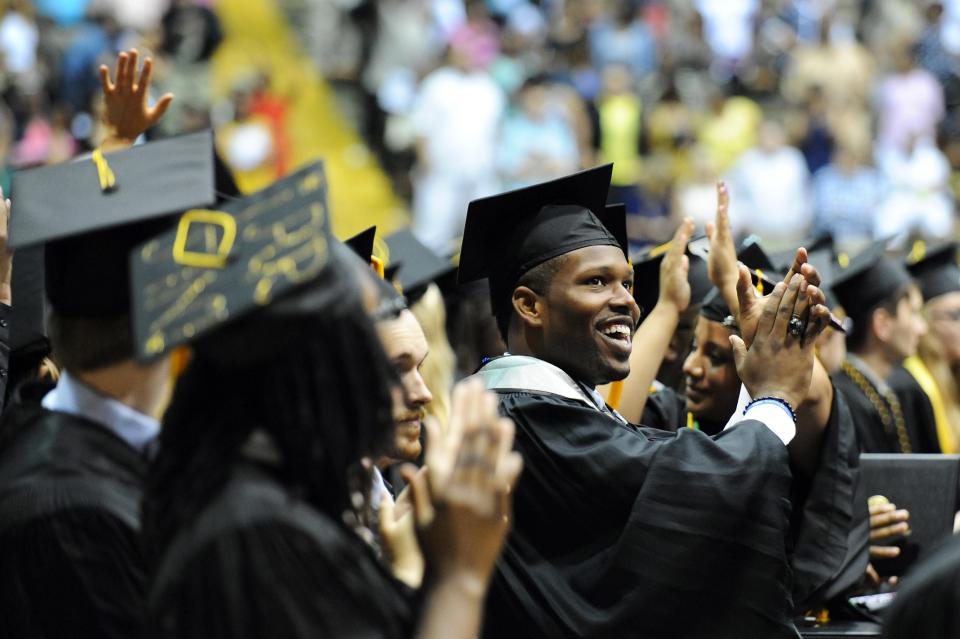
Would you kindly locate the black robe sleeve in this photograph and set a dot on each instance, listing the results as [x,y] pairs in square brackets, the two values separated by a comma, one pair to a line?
[74,573]
[917,411]
[4,352]
[928,603]
[831,524]
[665,410]
[624,531]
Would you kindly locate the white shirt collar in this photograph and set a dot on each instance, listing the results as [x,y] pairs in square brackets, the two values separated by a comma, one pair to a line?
[76,398]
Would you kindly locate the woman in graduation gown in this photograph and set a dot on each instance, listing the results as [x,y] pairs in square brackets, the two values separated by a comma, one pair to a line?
[830,523]
[256,510]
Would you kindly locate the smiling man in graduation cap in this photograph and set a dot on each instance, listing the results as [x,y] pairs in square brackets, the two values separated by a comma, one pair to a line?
[619,530]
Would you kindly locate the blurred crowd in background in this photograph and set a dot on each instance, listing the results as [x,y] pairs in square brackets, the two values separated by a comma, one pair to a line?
[823,116]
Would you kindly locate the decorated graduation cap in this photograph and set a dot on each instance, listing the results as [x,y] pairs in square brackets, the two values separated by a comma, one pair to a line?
[506,235]
[870,279]
[646,278]
[936,272]
[415,264]
[89,213]
[218,266]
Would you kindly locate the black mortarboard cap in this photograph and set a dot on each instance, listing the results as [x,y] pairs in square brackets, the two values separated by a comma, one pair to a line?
[362,243]
[417,264]
[506,235]
[218,266]
[754,256]
[936,273]
[89,214]
[28,313]
[714,308]
[870,279]
[646,278]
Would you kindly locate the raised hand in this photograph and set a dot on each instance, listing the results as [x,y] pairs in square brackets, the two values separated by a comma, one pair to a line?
[462,504]
[722,259]
[674,283]
[126,112]
[779,363]
[751,304]
[398,535]
[6,255]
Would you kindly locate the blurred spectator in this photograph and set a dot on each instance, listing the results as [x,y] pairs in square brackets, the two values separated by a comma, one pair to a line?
[729,27]
[18,39]
[837,64]
[456,118]
[695,195]
[536,143]
[620,113]
[769,190]
[623,39]
[816,143]
[909,104]
[846,196]
[247,142]
[933,56]
[729,129]
[477,38]
[191,34]
[919,200]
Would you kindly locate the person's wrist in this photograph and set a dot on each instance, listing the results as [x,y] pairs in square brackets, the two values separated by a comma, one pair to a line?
[469,582]
[667,306]
[767,391]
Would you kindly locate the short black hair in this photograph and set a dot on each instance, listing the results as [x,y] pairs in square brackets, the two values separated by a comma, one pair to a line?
[538,279]
[857,337]
[87,343]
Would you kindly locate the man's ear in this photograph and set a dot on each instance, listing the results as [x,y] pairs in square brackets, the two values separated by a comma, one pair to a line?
[528,306]
[881,323]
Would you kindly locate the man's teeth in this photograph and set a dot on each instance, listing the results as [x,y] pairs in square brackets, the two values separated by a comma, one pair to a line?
[616,329]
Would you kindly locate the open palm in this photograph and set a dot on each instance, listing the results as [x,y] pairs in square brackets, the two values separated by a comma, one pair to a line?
[126,113]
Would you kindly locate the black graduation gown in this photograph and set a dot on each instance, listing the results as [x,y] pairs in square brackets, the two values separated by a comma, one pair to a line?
[4,351]
[258,563]
[928,602]
[71,564]
[871,433]
[624,531]
[917,411]
[831,522]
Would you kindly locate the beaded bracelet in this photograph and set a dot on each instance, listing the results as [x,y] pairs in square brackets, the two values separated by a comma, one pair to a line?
[775,400]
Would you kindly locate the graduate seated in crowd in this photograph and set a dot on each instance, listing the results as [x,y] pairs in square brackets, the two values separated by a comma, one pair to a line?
[883,305]
[622,530]
[257,510]
[830,524]
[937,361]
[72,459]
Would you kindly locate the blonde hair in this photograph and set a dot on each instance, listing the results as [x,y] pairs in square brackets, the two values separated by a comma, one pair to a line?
[932,355]
[438,368]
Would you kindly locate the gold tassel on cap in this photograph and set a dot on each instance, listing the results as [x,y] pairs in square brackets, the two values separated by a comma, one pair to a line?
[108,181]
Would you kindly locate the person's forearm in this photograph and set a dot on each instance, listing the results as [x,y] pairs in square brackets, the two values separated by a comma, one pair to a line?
[813,415]
[649,346]
[452,607]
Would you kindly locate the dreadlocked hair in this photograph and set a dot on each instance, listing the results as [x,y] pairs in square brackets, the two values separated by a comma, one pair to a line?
[325,402]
